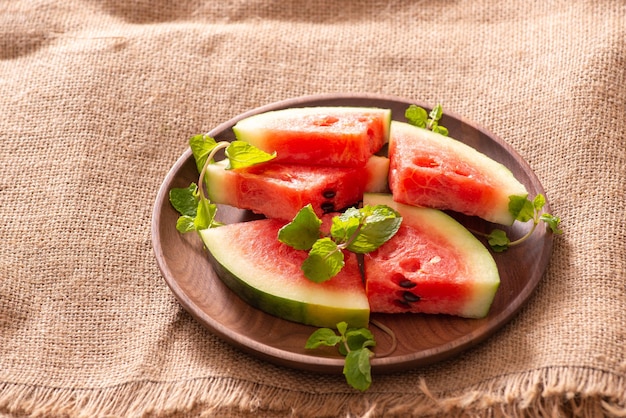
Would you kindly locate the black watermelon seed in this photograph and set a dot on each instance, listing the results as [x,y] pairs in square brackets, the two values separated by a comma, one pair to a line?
[398,277]
[407,284]
[410,297]
[401,304]
[329,194]
[327,207]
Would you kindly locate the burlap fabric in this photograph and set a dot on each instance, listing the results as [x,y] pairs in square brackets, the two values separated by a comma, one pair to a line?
[98,98]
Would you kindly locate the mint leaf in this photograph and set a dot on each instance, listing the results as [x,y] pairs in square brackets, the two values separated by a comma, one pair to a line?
[185,200]
[498,240]
[440,130]
[322,336]
[325,260]
[436,113]
[521,208]
[416,116]
[538,202]
[364,230]
[205,217]
[185,224]
[345,225]
[553,222]
[357,369]
[359,338]
[242,154]
[201,146]
[342,327]
[379,224]
[197,213]
[302,232]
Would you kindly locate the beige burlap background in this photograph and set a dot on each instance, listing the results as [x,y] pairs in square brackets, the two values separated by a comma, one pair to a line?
[98,98]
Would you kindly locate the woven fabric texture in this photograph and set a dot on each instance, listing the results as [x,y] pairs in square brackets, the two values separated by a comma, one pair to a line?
[98,99]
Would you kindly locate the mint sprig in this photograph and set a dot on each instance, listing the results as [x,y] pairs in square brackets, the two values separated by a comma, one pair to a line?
[353,343]
[524,210]
[417,116]
[357,230]
[196,210]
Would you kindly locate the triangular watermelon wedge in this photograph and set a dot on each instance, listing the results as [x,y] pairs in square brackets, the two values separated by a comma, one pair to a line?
[331,136]
[432,170]
[432,265]
[266,273]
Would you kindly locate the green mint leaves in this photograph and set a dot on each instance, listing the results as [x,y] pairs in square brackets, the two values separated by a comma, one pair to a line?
[524,210]
[418,116]
[196,210]
[196,213]
[357,230]
[354,345]
[239,153]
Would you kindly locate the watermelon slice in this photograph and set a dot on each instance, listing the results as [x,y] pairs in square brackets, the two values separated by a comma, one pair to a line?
[432,265]
[280,190]
[432,170]
[266,274]
[331,136]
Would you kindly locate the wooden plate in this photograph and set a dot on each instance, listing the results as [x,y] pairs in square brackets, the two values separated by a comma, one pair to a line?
[422,339]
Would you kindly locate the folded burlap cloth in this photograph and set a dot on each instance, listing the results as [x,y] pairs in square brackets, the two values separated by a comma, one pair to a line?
[98,99]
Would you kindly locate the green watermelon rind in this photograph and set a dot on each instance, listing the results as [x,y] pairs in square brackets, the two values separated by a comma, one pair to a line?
[500,177]
[247,279]
[483,266]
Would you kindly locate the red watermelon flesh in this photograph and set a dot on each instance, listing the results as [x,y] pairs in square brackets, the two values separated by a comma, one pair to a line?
[332,136]
[431,170]
[280,190]
[432,265]
[267,274]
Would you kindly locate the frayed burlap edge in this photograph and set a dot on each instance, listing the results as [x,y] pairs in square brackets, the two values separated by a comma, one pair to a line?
[549,392]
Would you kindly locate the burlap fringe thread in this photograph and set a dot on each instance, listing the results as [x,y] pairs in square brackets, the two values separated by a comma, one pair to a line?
[550,392]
